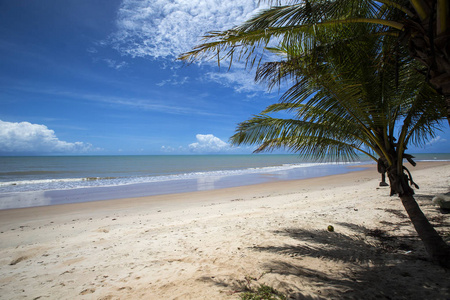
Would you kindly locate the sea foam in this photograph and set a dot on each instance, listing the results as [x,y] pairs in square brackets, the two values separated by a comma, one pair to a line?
[86,182]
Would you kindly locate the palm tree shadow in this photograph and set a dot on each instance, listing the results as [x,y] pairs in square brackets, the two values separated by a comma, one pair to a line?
[313,246]
[362,247]
[372,264]
[365,264]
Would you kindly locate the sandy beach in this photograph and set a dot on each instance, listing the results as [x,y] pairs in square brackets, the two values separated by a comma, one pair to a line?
[216,244]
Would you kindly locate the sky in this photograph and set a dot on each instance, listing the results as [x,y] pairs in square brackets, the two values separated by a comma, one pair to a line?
[100,77]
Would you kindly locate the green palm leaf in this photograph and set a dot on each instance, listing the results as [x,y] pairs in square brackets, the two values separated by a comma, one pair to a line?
[354,87]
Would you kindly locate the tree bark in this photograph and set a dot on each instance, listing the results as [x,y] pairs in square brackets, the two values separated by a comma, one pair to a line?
[435,246]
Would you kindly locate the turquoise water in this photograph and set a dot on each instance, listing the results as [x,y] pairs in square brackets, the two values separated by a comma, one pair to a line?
[19,174]
[25,181]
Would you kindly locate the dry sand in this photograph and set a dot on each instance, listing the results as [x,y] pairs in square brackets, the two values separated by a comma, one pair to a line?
[213,244]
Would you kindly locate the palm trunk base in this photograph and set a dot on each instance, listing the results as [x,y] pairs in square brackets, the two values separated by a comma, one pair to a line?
[435,246]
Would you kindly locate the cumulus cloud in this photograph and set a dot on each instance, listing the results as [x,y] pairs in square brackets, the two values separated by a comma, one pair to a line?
[25,137]
[166,28]
[208,143]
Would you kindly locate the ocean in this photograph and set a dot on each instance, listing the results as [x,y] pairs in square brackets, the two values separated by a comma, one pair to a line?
[49,180]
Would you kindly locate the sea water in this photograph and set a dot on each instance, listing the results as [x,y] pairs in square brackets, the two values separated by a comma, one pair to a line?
[48,180]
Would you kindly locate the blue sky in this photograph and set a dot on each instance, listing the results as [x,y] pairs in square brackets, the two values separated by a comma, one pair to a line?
[100,77]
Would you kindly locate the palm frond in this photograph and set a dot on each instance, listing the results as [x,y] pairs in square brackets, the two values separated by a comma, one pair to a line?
[292,24]
[311,139]
[351,83]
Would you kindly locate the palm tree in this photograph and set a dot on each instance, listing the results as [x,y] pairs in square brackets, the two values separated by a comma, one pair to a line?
[349,102]
[422,25]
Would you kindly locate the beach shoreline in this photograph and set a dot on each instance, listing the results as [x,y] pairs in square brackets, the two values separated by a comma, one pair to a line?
[159,185]
[111,198]
[258,190]
[203,244]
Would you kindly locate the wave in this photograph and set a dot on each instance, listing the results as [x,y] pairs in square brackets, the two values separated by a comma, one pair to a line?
[47,181]
[85,182]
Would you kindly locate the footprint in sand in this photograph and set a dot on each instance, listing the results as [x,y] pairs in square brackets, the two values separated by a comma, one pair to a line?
[18,260]
[103,229]
[87,291]
[27,254]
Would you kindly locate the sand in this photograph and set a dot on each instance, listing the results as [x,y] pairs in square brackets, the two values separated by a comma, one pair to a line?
[216,244]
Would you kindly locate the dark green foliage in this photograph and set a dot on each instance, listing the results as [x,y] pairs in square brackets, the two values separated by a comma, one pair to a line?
[422,27]
[263,292]
[356,85]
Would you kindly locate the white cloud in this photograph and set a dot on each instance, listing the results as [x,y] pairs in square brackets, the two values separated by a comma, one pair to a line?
[239,79]
[25,137]
[157,104]
[436,140]
[174,81]
[114,64]
[208,143]
[166,28]
[167,149]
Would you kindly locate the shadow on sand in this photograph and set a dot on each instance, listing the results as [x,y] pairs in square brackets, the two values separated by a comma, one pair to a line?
[365,264]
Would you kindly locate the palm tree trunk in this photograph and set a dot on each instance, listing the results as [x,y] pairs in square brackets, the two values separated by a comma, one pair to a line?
[435,246]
